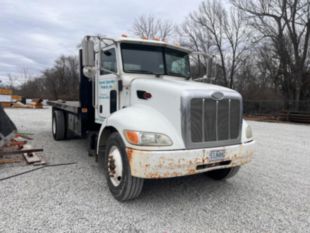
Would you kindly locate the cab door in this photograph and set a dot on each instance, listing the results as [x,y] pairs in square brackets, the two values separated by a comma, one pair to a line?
[107,84]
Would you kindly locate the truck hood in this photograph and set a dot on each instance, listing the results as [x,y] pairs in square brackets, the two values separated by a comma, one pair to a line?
[166,103]
[177,85]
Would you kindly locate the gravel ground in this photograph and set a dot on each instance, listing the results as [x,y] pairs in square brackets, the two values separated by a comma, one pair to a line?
[271,194]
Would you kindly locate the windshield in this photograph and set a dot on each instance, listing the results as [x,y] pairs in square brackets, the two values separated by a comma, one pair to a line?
[147,59]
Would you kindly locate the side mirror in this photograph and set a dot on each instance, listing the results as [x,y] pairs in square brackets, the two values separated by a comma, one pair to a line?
[88,53]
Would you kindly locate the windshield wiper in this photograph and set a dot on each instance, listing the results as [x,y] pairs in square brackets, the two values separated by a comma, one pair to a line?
[144,72]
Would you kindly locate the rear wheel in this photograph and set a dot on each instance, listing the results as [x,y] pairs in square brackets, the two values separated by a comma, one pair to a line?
[122,185]
[225,173]
[58,125]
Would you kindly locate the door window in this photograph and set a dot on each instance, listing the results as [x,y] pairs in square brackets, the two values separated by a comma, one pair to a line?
[108,62]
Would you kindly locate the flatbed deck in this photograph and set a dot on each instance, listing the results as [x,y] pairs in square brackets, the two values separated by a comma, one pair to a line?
[70,106]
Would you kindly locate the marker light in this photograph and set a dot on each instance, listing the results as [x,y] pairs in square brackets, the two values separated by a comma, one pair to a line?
[132,137]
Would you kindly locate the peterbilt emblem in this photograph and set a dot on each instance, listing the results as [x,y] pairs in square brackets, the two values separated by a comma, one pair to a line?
[217,95]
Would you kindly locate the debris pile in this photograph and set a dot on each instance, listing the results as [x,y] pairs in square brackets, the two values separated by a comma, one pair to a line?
[8,100]
[14,145]
[37,103]
[18,149]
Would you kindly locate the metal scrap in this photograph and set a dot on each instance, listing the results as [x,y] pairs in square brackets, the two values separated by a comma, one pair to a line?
[18,146]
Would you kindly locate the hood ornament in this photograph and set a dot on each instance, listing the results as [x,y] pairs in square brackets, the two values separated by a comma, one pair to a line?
[217,95]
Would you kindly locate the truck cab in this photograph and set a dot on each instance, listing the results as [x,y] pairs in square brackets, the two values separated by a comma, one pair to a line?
[152,120]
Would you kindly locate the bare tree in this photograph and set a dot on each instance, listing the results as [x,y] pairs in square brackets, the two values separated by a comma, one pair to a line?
[221,33]
[149,26]
[59,82]
[237,36]
[62,81]
[192,36]
[15,80]
[11,81]
[286,23]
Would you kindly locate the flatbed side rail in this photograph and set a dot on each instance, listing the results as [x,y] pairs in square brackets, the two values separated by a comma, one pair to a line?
[69,106]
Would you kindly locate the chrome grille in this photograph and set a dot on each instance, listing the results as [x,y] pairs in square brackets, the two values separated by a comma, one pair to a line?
[209,122]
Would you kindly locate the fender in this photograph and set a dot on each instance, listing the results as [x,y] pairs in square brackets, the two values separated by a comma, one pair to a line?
[141,118]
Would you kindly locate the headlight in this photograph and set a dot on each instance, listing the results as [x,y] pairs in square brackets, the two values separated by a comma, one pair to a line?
[248,132]
[147,139]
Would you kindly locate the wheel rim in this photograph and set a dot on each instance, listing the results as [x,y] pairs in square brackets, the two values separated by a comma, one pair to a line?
[54,126]
[115,166]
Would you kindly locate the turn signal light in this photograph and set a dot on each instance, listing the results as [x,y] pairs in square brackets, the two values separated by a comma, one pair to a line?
[147,138]
[132,137]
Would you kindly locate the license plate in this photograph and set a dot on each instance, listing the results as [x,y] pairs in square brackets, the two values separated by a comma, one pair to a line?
[216,155]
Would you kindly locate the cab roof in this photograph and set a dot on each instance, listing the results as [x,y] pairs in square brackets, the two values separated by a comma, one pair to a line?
[151,42]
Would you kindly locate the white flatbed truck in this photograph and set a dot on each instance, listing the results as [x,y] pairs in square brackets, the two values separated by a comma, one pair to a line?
[147,119]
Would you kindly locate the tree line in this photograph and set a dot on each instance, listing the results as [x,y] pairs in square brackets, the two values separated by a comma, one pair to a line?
[59,82]
[258,47]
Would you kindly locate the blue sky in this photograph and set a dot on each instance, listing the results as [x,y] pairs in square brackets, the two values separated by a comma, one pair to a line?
[34,33]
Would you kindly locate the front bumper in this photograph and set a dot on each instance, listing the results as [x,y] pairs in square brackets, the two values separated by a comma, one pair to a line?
[165,164]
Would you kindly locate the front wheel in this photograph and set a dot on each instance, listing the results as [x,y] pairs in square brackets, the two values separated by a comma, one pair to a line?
[122,185]
[222,174]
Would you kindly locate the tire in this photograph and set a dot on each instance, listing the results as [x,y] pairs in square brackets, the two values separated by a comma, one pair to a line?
[222,174]
[58,125]
[122,185]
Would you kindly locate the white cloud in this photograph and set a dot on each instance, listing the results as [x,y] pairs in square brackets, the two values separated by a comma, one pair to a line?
[16,57]
[34,33]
